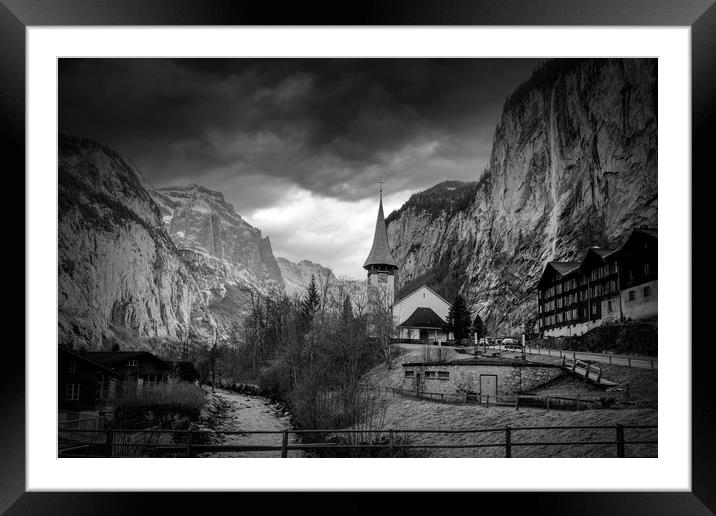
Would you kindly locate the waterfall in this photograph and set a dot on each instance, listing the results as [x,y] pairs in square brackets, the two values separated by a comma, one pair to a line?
[554,219]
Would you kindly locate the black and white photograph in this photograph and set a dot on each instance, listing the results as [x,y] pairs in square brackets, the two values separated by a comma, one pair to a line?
[357,257]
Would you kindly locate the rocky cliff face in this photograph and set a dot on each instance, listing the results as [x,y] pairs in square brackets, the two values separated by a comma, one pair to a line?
[147,268]
[121,279]
[573,164]
[297,276]
[226,255]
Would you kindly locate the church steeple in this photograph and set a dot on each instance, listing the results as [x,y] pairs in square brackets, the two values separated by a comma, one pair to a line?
[379,257]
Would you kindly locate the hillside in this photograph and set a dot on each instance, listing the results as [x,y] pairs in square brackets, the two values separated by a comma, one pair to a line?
[297,276]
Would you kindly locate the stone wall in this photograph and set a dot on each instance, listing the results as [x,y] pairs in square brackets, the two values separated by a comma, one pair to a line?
[453,378]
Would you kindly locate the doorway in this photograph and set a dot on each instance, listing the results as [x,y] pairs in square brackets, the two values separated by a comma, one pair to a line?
[488,387]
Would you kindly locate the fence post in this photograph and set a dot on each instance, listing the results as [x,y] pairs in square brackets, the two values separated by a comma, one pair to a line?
[620,440]
[284,445]
[108,443]
[189,439]
[517,403]
[610,360]
[652,364]
[392,442]
[629,361]
[586,375]
[508,442]
[488,401]
[547,403]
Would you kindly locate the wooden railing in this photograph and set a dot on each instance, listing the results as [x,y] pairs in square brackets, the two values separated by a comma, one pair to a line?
[606,358]
[515,400]
[189,443]
[75,428]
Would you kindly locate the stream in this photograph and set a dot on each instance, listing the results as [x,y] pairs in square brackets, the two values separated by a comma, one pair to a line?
[242,412]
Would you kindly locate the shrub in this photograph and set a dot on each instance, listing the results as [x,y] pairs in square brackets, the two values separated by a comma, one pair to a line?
[167,405]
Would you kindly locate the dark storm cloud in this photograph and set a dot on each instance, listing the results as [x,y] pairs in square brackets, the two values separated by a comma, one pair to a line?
[329,126]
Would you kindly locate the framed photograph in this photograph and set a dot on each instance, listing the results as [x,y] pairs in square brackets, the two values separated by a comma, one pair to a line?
[393,254]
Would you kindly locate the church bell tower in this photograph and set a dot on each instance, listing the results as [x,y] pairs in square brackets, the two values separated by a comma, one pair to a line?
[380,264]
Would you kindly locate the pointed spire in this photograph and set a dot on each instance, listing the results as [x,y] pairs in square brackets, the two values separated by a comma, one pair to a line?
[380,252]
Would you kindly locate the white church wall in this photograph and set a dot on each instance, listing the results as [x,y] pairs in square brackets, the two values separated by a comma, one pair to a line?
[422,297]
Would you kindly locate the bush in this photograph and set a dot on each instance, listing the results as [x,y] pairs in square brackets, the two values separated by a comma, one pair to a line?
[167,405]
[637,338]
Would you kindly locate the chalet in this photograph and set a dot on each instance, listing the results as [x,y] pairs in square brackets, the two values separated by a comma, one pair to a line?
[183,370]
[606,285]
[83,384]
[422,315]
[136,367]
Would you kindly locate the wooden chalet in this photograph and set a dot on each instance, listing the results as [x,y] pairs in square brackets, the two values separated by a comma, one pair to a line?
[135,367]
[606,285]
[83,383]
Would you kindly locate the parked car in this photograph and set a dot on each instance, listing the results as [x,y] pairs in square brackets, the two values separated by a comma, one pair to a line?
[511,343]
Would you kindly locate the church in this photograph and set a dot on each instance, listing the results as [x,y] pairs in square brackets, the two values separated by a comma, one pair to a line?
[418,316]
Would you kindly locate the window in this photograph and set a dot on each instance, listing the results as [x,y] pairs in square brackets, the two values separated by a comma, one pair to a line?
[443,375]
[594,309]
[72,391]
[632,296]
[609,306]
[409,374]
[646,269]
[429,374]
[647,291]
[132,363]
[71,367]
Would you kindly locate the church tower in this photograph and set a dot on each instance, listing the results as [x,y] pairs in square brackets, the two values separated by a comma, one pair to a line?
[380,264]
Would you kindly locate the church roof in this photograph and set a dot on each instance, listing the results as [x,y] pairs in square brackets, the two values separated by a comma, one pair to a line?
[380,252]
[423,317]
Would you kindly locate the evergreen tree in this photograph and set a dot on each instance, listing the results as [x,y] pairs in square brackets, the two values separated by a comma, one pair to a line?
[458,321]
[311,302]
[347,311]
[478,327]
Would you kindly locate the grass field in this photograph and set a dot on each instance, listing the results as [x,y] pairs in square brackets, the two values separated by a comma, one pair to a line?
[401,412]
[410,413]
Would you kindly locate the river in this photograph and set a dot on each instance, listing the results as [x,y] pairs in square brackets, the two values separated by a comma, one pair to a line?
[241,412]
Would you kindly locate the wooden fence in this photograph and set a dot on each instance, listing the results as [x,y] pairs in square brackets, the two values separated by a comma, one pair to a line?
[516,400]
[621,360]
[188,443]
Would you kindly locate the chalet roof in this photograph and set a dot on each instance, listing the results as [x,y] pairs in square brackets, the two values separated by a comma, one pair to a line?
[83,357]
[380,252]
[113,358]
[602,252]
[185,369]
[423,317]
[406,296]
[652,232]
[563,268]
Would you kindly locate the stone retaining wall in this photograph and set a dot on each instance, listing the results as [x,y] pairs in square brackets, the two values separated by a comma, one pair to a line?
[453,378]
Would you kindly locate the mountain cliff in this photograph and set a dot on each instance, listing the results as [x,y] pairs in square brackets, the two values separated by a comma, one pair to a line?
[573,164]
[226,255]
[144,268]
[297,276]
[120,277]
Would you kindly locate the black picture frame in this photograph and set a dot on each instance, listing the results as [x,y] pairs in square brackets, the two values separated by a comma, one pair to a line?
[17,15]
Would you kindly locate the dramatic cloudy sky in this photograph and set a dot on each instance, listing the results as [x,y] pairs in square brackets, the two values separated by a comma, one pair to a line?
[297,146]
